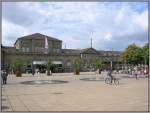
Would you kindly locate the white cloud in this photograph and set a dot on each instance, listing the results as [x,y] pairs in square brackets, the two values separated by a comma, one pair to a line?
[108,36]
[73,22]
[11,30]
[142,20]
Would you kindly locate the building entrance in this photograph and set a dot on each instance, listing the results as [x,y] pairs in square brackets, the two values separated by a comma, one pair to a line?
[58,67]
[39,66]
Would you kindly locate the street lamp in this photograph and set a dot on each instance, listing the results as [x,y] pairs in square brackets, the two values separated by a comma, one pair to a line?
[125,66]
[111,64]
[111,60]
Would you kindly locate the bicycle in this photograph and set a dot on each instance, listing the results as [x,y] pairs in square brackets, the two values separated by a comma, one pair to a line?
[114,80]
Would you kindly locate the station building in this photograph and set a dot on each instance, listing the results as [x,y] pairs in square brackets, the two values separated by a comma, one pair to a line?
[36,49]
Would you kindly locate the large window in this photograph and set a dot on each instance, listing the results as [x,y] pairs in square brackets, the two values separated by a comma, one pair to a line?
[58,50]
[23,49]
[27,49]
[68,64]
[40,49]
[54,50]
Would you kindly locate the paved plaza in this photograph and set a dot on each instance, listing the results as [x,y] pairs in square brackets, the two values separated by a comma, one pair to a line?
[76,95]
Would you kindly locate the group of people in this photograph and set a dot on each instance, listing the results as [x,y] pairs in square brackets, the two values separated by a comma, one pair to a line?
[36,71]
[4,75]
[109,74]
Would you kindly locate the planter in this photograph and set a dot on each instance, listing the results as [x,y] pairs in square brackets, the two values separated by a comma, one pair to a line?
[76,72]
[18,74]
[99,72]
[49,73]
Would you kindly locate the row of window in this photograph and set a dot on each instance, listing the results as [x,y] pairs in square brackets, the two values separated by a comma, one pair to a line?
[25,49]
[40,43]
[39,49]
[102,58]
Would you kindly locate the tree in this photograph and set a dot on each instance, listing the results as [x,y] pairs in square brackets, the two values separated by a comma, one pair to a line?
[18,64]
[99,65]
[132,55]
[49,67]
[76,66]
[145,51]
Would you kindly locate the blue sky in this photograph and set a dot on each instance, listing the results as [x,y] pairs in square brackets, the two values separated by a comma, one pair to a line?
[112,25]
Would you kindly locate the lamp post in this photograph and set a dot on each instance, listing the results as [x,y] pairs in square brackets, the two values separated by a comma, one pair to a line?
[111,64]
[32,65]
[111,60]
[125,66]
[145,61]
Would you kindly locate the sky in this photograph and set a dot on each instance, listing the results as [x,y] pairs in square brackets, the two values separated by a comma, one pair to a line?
[111,25]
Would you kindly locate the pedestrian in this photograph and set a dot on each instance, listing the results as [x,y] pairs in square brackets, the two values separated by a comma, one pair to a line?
[136,74]
[4,75]
[33,72]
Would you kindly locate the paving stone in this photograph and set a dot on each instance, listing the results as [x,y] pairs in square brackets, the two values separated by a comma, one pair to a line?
[20,108]
[77,95]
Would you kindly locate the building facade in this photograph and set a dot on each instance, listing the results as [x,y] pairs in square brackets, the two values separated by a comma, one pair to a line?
[36,49]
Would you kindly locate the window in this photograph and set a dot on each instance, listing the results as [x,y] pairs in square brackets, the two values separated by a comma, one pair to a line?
[81,55]
[68,64]
[85,55]
[58,50]
[54,50]
[27,49]
[23,49]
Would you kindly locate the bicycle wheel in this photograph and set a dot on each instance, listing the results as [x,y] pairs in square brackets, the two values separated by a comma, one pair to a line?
[107,81]
[116,81]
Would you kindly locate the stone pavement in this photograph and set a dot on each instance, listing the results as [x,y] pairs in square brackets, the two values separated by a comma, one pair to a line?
[77,95]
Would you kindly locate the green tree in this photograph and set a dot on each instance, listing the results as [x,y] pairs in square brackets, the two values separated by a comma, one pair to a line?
[18,65]
[76,66]
[132,55]
[49,67]
[99,65]
[145,51]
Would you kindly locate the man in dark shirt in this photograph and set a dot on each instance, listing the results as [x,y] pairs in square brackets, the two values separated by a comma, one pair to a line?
[4,75]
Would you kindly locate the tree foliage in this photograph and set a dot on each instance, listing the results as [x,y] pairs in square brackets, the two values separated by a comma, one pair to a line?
[76,64]
[18,64]
[99,64]
[134,54]
[49,66]
[145,52]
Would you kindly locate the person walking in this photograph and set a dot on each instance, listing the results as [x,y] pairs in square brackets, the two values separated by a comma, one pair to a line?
[136,74]
[110,75]
[4,75]
[33,72]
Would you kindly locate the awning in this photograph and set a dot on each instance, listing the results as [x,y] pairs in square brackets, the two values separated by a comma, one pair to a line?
[39,62]
[45,62]
[57,62]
